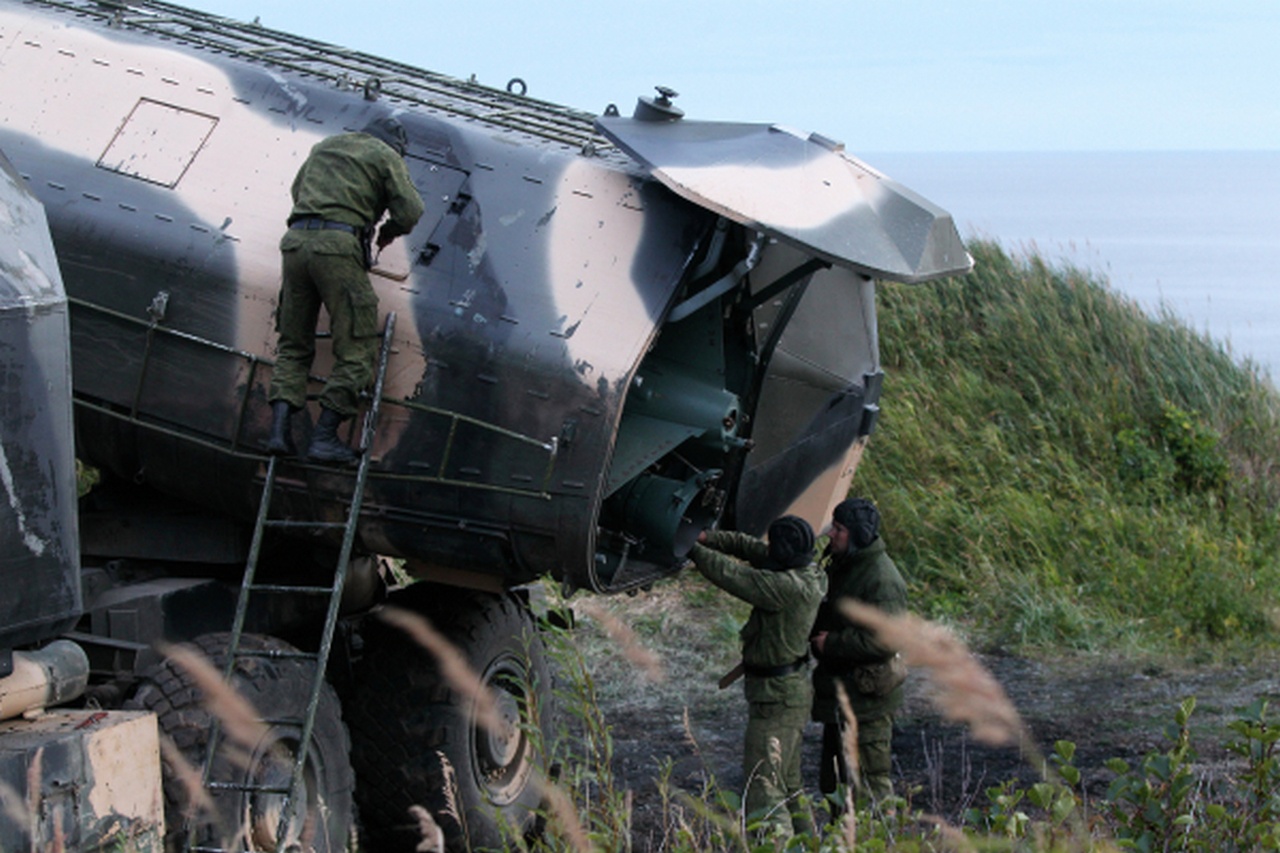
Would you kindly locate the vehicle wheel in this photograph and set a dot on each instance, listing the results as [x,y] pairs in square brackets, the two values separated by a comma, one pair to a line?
[414,738]
[278,689]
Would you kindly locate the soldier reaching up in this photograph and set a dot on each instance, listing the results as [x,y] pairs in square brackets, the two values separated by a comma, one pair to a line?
[784,587]
[341,192]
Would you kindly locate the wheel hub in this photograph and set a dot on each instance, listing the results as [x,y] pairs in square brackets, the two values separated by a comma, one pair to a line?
[501,744]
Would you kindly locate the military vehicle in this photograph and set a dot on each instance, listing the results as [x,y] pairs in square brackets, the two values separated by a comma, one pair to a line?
[608,333]
[81,778]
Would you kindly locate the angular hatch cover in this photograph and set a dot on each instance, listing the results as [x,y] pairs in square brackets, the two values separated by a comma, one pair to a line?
[804,190]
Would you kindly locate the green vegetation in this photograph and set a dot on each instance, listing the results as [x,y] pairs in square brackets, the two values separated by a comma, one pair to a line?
[1057,468]
[86,478]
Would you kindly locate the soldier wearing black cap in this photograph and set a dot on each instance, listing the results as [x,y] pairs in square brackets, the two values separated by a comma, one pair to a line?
[784,586]
[857,568]
[339,194]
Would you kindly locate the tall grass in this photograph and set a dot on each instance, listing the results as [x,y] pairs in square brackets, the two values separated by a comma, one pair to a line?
[1166,801]
[1058,468]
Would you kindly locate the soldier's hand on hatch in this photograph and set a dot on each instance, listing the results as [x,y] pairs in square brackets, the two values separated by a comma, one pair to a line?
[818,642]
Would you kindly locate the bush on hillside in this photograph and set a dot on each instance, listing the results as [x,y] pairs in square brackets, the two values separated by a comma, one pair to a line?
[1057,467]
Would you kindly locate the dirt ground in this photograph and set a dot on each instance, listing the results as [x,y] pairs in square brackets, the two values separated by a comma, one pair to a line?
[1108,709]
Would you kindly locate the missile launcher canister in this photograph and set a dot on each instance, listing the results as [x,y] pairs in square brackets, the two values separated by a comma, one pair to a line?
[613,331]
[610,332]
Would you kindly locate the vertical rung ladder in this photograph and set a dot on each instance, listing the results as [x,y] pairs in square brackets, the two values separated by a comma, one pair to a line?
[320,658]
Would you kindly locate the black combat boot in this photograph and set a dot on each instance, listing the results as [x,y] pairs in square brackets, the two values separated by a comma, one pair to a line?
[280,442]
[325,444]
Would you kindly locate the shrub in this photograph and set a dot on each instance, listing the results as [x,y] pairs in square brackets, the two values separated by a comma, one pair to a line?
[1056,467]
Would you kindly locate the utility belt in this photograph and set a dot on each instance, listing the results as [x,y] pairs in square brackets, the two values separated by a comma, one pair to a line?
[314,223]
[775,671]
[364,235]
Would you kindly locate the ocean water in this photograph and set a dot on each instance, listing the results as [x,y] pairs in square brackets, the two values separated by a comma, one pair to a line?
[1195,232]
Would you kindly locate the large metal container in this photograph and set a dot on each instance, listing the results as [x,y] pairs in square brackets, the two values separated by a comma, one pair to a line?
[39,549]
[611,332]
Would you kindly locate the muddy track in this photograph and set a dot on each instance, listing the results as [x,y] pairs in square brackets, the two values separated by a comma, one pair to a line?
[1108,709]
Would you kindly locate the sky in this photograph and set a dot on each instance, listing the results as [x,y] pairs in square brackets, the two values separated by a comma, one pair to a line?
[903,75]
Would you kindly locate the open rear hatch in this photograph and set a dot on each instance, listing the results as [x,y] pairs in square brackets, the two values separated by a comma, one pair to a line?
[803,190]
[777,327]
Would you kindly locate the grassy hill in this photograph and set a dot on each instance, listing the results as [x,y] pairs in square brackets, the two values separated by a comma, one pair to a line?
[1058,468]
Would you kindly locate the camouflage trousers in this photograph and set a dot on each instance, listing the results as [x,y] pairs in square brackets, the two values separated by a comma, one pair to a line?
[771,764]
[875,757]
[327,270]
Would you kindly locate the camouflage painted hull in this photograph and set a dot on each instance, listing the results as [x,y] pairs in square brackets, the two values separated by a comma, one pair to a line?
[591,362]
[39,560]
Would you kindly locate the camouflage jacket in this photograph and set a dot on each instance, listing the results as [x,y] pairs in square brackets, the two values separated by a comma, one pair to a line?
[354,178]
[783,606]
[867,575]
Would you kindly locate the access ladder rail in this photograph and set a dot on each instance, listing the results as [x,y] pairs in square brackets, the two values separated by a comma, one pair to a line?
[318,659]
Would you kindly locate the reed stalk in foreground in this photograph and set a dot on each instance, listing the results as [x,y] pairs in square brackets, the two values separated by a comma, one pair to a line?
[431,833]
[239,719]
[965,691]
[453,664]
[849,745]
[628,643]
[565,815]
[188,776]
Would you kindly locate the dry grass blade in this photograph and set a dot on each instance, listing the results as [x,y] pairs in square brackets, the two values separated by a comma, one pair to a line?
[630,645]
[849,745]
[966,691]
[689,737]
[29,817]
[565,816]
[951,837]
[239,719]
[14,806]
[59,843]
[198,799]
[430,831]
[35,788]
[451,792]
[453,664]
[712,816]
[848,731]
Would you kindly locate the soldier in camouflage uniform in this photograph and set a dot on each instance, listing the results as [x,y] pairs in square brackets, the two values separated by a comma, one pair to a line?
[784,586]
[342,190]
[857,568]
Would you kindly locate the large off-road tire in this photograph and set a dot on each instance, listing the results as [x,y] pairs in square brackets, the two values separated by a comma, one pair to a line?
[414,738]
[278,689]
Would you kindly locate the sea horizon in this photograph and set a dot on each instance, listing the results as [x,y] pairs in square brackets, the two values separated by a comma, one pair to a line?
[1195,233]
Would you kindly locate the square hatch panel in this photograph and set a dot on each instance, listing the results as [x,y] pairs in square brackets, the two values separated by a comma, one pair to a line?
[157,142]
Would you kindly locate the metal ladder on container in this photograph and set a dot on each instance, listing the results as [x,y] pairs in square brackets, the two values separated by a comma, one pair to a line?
[320,658]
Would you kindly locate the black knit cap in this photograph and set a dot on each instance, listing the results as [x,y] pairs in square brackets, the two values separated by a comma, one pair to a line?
[861,518]
[389,131]
[791,542]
